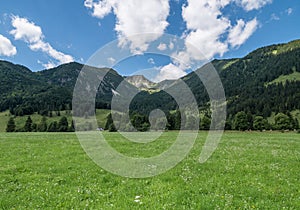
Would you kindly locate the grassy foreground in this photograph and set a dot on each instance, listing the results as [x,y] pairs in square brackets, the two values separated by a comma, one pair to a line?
[249,170]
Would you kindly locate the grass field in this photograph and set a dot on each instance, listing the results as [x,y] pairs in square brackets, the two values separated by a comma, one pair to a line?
[249,170]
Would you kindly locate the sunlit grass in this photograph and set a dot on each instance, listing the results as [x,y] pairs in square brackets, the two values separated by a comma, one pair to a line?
[250,170]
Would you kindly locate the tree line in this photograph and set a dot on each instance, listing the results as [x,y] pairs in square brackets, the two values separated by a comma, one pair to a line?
[43,126]
[241,121]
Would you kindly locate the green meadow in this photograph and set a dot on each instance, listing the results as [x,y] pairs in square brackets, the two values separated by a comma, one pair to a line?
[249,170]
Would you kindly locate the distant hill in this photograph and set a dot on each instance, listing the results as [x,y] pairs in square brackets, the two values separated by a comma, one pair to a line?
[264,81]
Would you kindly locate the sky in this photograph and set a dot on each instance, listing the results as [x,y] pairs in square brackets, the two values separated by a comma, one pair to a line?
[42,35]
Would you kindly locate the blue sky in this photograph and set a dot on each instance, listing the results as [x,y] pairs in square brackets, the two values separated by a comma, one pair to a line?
[42,35]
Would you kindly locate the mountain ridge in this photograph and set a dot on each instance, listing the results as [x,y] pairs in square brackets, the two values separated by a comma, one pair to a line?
[244,81]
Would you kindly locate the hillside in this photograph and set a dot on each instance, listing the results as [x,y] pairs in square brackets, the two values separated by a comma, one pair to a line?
[25,92]
[244,80]
[262,82]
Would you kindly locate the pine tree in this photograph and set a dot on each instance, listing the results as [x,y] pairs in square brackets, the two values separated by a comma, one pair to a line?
[72,127]
[112,128]
[11,126]
[42,127]
[52,127]
[205,123]
[63,124]
[28,125]
[109,121]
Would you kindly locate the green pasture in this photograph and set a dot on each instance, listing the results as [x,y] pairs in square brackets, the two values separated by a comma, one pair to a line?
[249,170]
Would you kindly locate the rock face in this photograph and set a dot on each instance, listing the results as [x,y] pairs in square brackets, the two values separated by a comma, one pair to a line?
[143,83]
[140,82]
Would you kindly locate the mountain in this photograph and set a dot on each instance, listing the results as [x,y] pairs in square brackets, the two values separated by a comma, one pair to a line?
[165,84]
[25,92]
[264,81]
[140,82]
[249,82]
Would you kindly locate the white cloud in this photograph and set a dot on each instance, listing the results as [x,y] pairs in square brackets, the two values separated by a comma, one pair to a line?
[33,36]
[25,30]
[100,8]
[169,72]
[208,33]
[47,48]
[289,11]
[48,65]
[249,5]
[151,61]
[241,32]
[6,47]
[205,29]
[162,47]
[274,17]
[134,17]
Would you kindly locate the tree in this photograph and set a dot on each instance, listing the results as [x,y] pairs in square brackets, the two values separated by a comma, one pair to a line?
[28,125]
[34,127]
[260,123]
[177,124]
[296,124]
[240,121]
[52,127]
[109,122]
[191,123]
[42,126]
[205,123]
[282,122]
[140,122]
[63,124]
[112,128]
[171,121]
[137,121]
[72,127]
[11,126]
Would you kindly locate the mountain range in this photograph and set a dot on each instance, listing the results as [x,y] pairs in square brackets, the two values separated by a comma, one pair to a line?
[264,81]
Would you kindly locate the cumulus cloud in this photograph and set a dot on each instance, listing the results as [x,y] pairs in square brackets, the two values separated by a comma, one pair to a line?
[241,32]
[6,47]
[100,8]
[169,72]
[162,47]
[210,32]
[25,30]
[204,30]
[289,11]
[33,36]
[249,5]
[134,17]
